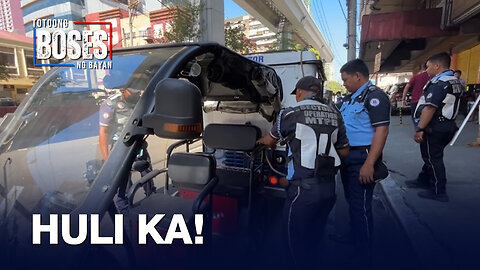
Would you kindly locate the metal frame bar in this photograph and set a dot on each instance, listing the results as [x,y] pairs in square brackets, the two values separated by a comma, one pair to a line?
[465,121]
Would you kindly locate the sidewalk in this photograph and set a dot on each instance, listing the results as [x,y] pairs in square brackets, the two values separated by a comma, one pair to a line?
[443,235]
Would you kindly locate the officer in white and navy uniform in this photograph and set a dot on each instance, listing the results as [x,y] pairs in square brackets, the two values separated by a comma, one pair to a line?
[436,112]
[114,113]
[366,112]
[113,116]
[316,137]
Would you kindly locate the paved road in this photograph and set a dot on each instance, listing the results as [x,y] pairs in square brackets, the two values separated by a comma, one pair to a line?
[392,250]
[410,232]
[443,235]
[391,245]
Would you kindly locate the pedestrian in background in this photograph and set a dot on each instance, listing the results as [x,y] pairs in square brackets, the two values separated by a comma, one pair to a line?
[458,74]
[436,111]
[463,109]
[416,84]
[114,113]
[366,112]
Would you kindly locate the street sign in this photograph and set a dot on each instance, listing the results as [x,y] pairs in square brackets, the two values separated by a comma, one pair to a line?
[378,61]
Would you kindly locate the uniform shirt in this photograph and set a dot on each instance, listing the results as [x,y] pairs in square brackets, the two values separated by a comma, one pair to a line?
[115,110]
[361,117]
[417,82]
[107,112]
[114,113]
[443,92]
[308,126]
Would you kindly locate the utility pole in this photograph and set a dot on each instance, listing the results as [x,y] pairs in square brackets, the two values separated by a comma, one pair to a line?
[132,8]
[285,35]
[212,21]
[352,29]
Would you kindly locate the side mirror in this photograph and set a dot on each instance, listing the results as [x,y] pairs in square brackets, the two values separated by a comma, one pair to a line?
[178,110]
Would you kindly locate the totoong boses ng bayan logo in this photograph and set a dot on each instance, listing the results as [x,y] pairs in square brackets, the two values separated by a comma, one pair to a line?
[54,38]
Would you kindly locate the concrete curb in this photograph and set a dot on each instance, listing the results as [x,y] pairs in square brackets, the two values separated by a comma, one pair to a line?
[430,250]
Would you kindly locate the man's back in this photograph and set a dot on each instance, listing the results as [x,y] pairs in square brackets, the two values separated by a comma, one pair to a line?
[313,124]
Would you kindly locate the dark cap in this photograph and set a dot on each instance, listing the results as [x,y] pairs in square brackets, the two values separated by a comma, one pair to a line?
[308,83]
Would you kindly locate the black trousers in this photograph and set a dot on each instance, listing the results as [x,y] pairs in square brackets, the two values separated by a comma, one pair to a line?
[359,198]
[305,215]
[433,171]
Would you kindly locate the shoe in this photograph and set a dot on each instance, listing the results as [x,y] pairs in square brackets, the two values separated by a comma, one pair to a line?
[427,194]
[346,238]
[416,184]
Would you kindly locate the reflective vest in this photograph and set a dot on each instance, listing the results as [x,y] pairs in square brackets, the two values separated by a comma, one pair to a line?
[448,109]
[316,131]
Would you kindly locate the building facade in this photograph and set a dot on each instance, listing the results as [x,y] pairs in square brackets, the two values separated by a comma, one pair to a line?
[146,28]
[468,61]
[16,53]
[71,10]
[11,16]
[407,32]
[254,30]
[112,16]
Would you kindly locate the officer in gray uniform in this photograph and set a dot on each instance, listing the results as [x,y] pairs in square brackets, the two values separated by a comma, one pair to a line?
[436,111]
[316,137]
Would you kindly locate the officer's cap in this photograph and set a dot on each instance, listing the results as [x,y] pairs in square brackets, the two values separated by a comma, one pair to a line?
[308,83]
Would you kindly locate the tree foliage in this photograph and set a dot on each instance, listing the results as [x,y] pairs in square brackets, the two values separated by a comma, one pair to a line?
[284,42]
[185,26]
[335,87]
[4,72]
[317,53]
[236,40]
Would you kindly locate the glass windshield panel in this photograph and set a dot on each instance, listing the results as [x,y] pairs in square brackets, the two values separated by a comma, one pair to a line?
[51,150]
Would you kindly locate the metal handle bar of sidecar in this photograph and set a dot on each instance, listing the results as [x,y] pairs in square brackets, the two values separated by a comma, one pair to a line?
[145,179]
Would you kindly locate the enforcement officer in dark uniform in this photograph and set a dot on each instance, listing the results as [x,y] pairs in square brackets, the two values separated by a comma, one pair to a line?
[366,112]
[316,137]
[437,110]
[114,114]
